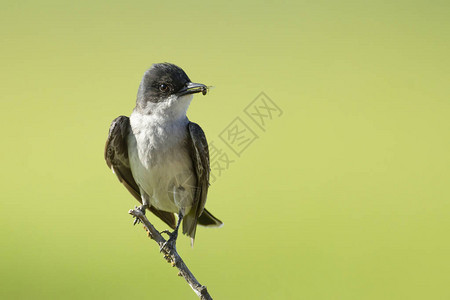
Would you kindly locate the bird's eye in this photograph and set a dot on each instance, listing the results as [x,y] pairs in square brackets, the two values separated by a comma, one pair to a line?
[163,87]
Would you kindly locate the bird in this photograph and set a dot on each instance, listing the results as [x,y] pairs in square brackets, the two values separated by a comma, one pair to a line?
[160,156]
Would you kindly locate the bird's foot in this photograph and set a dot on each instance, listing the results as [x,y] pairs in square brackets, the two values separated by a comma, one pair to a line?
[141,208]
[166,232]
[170,244]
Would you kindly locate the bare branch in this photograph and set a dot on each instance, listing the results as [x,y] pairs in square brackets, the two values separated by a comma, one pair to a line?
[172,256]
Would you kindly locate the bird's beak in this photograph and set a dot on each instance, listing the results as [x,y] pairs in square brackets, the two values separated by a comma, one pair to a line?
[192,88]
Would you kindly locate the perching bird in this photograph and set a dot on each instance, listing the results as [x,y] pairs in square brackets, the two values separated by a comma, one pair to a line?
[159,155]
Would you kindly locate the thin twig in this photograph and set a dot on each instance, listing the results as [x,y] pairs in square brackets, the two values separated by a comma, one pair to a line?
[172,256]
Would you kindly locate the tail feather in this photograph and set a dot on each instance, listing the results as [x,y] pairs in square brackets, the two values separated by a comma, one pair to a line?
[190,225]
[205,219]
[208,220]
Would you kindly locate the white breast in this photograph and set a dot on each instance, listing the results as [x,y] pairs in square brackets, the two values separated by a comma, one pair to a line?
[160,161]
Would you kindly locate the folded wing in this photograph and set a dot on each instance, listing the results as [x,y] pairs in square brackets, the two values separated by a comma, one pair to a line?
[116,156]
[200,160]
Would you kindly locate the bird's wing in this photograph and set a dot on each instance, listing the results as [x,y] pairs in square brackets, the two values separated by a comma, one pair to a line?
[116,156]
[200,160]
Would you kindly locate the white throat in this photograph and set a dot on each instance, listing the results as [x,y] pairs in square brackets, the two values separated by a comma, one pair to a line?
[173,109]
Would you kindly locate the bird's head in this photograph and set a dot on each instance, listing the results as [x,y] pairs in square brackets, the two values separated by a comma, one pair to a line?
[166,89]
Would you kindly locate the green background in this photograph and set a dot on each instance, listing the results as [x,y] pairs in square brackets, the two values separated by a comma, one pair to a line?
[345,196]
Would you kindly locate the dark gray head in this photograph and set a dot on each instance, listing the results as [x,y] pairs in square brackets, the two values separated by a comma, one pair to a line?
[166,81]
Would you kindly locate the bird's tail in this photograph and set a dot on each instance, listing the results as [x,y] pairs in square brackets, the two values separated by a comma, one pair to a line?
[205,219]
[208,220]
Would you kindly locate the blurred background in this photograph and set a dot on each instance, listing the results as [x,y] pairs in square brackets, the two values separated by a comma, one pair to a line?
[342,194]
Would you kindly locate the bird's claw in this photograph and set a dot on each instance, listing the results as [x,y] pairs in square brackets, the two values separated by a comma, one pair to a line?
[142,210]
[170,244]
[166,232]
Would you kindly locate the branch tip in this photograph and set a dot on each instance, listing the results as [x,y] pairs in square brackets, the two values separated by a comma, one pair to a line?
[171,255]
